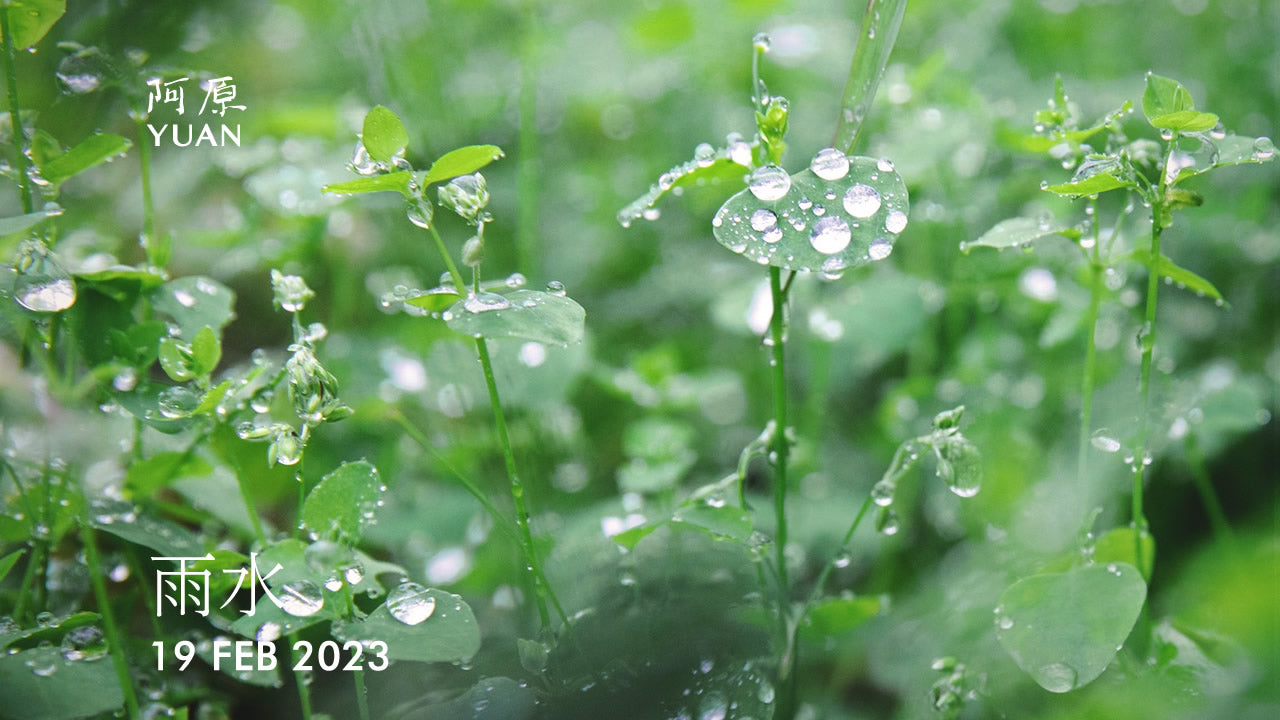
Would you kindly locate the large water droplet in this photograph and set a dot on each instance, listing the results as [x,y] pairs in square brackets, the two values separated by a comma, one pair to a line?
[769,183]
[42,284]
[861,201]
[301,599]
[882,493]
[1263,148]
[410,603]
[829,164]
[896,222]
[763,219]
[879,249]
[1057,677]
[1103,440]
[267,632]
[830,235]
[485,302]
[714,706]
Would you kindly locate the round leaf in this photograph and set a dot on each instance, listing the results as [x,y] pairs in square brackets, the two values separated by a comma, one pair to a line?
[1063,629]
[526,314]
[343,501]
[819,225]
[450,634]
[383,134]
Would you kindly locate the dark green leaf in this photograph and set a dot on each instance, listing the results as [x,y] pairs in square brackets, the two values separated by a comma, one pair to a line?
[383,134]
[450,634]
[813,233]
[1164,96]
[727,521]
[32,637]
[463,161]
[1178,275]
[64,689]
[518,313]
[123,274]
[8,561]
[1016,233]
[209,403]
[90,152]
[1093,185]
[158,534]
[1063,629]
[30,20]
[343,502]
[195,302]
[394,181]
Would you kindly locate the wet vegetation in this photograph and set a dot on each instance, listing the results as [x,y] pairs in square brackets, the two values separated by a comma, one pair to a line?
[932,376]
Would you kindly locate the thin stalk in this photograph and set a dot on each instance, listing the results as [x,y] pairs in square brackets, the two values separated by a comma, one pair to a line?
[148,207]
[458,282]
[304,693]
[15,117]
[879,31]
[118,660]
[831,564]
[541,591]
[1091,350]
[1204,485]
[789,678]
[527,159]
[362,695]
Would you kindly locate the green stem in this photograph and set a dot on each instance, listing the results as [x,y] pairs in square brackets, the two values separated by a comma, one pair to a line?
[15,116]
[1091,351]
[458,282]
[788,671]
[1204,485]
[527,160]
[118,660]
[148,207]
[362,695]
[875,42]
[304,692]
[533,566]
[831,564]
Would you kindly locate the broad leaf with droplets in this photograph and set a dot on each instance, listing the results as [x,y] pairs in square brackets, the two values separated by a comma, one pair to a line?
[41,684]
[463,161]
[544,317]
[708,167]
[383,134]
[18,223]
[41,283]
[1063,629]
[1018,233]
[447,633]
[30,20]
[93,150]
[195,302]
[841,213]
[1175,273]
[344,501]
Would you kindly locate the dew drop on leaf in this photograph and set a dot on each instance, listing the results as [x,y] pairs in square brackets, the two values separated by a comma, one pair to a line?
[42,284]
[769,183]
[301,599]
[829,164]
[831,234]
[763,219]
[410,603]
[861,201]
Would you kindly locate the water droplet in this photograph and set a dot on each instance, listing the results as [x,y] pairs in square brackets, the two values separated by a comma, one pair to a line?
[884,165]
[555,287]
[896,221]
[420,213]
[830,235]
[769,183]
[763,219]
[762,42]
[42,284]
[1103,440]
[882,493]
[125,380]
[765,692]
[843,559]
[861,201]
[1004,622]
[879,249]
[267,632]
[301,599]
[485,302]
[714,706]
[771,236]
[740,153]
[887,522]
[1057,677]
[704,154]
[1263,148]
[410,603]
[829,164]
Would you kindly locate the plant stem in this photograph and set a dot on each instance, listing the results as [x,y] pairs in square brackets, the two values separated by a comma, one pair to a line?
[15,116]
[879,31]
[1204,485]
[304,693]
[527,159]
[148,207]
[362,696]
[249,507]
[1091,350]
[448,261]
[118,660]
[788,675]
[517,487]
[831,564]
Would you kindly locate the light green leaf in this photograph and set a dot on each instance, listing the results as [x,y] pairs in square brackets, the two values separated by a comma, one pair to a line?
[145,279]
[518,313]
[206,350]
[145,477]
[30,20]
[18,223]
[8,561]
[1116,546]
[195,302]
[723,521]
[836,616]
[343,502]
[450,634]
[1016,233]
[463,161]
[1093,185]
[383,134]
[857,225]
[209,403]
[1176,274]
[92,151]
[1164,96]
[434,300]
[713,169]
[393,181]
[1185,121]
[69,689]
[1063,629]
[176,360]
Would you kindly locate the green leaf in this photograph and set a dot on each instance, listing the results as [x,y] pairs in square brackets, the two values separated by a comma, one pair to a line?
[166,538]
[1185,121]
[1016,233]
[18,223]
[143,278]
[145,477]
[1063,629]
[495,698]
[434,300]
[393,181]
[92,151]
[714,169]
[8,561]
[837,616]
[1116,546]
[30,20]
[1093,185]
[383,134]
[195,302]
[463,161]
[206,350]
[450,634]
[343,502]
[209,403]
[1164,96]
[69,689]
[723,521]
[32,637]
[518,313]
[1176,274]
[176,360]
[813,233]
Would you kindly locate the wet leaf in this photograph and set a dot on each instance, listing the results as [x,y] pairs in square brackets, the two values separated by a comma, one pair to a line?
[206,350]
[1017,233]
[1063,629]
[45,686]
[526,314]
[463,161]
[18,223]
[30,20]
[836,616]
[344,501]
[450,634]
[166,538]
[1164,96]
[383,134]
[1185,121]
[816,225]
[496,698]
[1116,545]
[144,477]
[1181,276]
[434,300]
[193,303]
[714,167]
[8,561]
[91,151]
[393,181]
